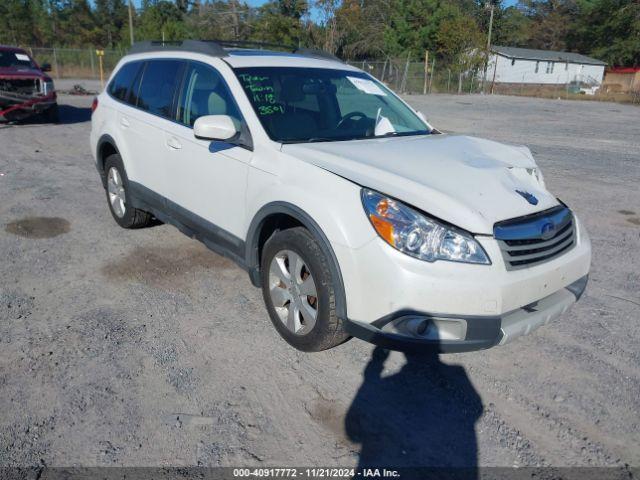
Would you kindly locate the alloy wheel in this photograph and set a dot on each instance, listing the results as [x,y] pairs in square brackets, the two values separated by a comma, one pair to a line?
[293,292]
[117,197]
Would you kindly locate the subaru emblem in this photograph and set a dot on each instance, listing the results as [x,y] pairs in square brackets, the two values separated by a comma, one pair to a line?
[547,231]
[529,197]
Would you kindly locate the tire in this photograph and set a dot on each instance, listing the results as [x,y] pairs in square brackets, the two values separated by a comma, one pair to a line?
[118,185]
[293,321]
[51,114]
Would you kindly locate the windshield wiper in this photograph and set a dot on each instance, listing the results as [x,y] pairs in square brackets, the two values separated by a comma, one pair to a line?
[402,134]
[319,139]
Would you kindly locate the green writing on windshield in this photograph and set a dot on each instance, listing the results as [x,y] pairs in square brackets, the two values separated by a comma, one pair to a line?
[262,94]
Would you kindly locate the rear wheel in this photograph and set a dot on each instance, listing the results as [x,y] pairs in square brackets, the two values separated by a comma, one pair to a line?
[299,291]
[119,196]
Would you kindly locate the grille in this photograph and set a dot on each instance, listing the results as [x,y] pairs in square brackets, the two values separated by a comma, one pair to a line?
[537,238]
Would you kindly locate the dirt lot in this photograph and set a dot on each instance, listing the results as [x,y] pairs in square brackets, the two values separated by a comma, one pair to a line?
[143,348]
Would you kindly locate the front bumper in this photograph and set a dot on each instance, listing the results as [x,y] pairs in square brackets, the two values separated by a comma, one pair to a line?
[382,283]
[28,106]
[413,331]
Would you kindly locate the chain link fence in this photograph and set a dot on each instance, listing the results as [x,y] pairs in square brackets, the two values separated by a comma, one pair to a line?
[412,77]
[76,62]
[400,75]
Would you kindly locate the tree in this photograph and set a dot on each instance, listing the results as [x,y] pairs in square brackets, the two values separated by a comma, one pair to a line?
[161,19]
[360,24]
[609,30]
[112,19]
[453,30]
[550,22]
[281,21]
[329,24]
[461,43]
[512,28]
[221,20]
[77,24]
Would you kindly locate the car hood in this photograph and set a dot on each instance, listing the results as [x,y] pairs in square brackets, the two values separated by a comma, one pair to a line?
[467,181]
[21,72]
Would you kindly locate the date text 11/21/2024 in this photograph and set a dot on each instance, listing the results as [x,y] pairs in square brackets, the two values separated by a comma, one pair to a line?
[316,473]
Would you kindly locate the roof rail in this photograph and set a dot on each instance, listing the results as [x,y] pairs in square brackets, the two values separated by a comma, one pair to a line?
[216,48]
[198,46]
[250,43]
[313,52]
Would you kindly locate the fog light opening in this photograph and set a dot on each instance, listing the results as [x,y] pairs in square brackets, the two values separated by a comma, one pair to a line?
[428,328]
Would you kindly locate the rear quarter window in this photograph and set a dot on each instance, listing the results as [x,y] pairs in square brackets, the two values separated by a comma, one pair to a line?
[120,85]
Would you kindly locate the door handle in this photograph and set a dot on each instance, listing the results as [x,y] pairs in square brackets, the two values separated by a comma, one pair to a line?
[173,143]
[124,122]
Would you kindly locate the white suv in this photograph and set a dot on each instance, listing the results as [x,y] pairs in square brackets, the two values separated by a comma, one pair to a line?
[353,214]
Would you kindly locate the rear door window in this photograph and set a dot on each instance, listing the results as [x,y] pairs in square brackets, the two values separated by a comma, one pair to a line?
[120,85]
[160,82]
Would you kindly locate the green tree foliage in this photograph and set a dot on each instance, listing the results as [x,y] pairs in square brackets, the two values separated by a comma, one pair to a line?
[281,21]
[513,28]
[453,30]
[222,20]
[111,18]
[162,19]
[609,30]
[550,22]
[460,43]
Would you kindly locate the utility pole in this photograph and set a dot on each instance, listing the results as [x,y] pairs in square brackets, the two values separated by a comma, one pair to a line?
[486,63]
[131,21]
[236,20]
[426,72]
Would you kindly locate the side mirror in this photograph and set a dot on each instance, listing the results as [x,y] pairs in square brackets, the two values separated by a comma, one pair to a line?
[46,67]
[215,127]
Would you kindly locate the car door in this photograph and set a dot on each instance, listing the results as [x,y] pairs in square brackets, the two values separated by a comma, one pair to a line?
[152,98]
[207,179]
[123,88]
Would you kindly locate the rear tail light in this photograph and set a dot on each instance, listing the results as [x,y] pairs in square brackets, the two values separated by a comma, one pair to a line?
[94,105]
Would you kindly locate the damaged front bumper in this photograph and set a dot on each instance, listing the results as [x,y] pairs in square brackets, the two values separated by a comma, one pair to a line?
[18,102]
[419,331]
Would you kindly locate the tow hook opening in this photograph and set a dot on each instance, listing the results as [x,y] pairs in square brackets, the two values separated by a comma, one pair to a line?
[427,328]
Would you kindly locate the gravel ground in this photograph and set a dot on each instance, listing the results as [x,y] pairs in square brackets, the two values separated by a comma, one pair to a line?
[143,348]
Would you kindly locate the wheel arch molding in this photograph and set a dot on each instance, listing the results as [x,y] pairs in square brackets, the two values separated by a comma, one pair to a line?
[268,220]
[106,146]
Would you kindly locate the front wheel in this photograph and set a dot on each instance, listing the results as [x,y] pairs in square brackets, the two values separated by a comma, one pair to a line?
[299,291]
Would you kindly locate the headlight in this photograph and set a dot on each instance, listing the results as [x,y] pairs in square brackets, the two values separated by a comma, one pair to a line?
[48,87]
[417,235]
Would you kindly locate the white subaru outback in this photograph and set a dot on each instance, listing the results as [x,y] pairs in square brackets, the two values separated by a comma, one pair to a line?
[353,214]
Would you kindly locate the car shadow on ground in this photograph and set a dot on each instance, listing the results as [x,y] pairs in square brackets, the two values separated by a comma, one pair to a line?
[70,114]
[422,416]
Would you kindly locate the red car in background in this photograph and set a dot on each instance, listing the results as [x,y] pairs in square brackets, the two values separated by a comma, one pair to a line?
[25,88]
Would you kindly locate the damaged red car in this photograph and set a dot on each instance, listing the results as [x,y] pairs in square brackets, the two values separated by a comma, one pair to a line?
[25,88]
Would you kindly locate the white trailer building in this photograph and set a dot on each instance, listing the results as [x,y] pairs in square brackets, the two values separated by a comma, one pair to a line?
[542,67]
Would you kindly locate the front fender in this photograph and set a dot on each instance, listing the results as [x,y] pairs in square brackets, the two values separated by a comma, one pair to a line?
[329,206]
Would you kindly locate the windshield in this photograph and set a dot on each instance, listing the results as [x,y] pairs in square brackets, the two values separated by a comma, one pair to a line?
[15,59]
[297,105]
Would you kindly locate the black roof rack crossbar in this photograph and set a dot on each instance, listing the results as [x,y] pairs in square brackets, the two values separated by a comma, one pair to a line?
[216,48]
[313,52]
[250,43]
[208,48]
